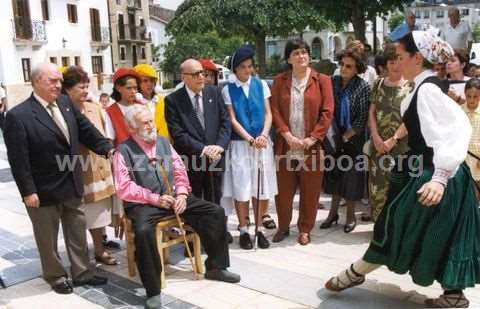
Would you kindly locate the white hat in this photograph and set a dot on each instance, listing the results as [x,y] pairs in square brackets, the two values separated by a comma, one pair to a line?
[432,47]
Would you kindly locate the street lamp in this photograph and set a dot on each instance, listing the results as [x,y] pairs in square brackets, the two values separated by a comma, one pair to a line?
[64,42]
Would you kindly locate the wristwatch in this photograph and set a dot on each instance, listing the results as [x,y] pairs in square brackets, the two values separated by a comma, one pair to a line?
[251,142]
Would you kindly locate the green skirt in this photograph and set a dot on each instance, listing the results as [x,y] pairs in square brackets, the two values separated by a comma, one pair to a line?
[440,242]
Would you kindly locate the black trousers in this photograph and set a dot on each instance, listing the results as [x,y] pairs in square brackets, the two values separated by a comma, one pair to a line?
[207,185]
[206,218]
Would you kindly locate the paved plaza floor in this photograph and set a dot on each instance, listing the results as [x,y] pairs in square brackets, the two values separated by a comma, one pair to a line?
[286,275]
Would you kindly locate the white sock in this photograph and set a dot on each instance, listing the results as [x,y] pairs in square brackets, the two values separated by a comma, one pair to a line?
[243,229]
[261,229]
[361,267]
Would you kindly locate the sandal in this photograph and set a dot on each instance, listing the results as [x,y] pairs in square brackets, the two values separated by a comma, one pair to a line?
[304,239]
[354,278]
[106,259]
[448,301]
[268,222]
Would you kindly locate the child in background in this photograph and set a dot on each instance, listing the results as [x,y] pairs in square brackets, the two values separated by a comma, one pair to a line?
[472,109]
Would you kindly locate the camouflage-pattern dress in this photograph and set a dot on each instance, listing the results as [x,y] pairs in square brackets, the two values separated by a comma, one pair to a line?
[387,102]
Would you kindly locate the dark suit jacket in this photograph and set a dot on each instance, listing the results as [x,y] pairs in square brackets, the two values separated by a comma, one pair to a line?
[187,134]
[36,149]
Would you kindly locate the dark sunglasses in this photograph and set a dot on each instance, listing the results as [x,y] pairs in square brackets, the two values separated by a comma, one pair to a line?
[196,74]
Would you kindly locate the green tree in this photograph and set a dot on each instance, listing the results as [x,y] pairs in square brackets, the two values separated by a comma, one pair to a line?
[356,12]
[196,45]
[395,20]
[476,33]
[252,19]
[275,65]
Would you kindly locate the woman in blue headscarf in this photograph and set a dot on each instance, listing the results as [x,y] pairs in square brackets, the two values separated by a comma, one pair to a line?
[251,166]
[347,178]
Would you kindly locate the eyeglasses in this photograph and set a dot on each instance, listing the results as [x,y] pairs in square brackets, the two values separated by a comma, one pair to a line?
[197,74]
[347,66]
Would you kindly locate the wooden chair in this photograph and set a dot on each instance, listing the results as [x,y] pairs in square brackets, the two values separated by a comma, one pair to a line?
[164,242]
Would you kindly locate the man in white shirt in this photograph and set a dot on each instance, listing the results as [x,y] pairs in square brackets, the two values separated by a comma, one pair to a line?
[457,33]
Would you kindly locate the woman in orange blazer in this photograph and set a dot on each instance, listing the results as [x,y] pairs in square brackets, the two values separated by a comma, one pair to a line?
[302,109]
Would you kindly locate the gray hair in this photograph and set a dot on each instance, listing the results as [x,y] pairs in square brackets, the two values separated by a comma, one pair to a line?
[40,69]
[409,11]
[132,112]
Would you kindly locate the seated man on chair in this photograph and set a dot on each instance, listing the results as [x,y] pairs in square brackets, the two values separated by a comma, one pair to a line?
[145,167]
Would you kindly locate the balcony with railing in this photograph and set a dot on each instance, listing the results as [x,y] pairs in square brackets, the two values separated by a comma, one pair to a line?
[29,32]
[133,33]
[100,36]
[134,4]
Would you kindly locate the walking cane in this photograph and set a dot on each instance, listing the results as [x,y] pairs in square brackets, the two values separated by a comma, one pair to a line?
[177,216]
[259,184]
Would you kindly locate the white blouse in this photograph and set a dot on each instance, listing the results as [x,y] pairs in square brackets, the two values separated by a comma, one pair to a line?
[245,87]
[444,126]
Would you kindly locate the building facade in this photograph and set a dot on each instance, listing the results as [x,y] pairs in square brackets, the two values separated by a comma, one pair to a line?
[326,44]
[131,33]
[435,12]
[65,32]
[159,18]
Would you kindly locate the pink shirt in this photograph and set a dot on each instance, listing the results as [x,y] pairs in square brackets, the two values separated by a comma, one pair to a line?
[128,190]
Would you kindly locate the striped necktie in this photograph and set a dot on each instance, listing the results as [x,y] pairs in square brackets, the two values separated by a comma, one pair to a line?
[198,111]
[58,119]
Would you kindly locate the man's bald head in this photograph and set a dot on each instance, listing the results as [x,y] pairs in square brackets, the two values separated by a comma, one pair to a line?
[42,68]
[454,15]
[193,75]
[46,81]
[190,64]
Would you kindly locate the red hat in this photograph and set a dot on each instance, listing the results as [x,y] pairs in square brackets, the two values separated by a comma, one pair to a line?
[208,64]
[122,72]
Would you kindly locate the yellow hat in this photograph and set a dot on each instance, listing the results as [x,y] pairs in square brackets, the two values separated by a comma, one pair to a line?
[62,69]
[145,70]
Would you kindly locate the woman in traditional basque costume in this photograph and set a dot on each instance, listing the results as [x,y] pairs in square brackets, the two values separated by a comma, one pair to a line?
[430,225]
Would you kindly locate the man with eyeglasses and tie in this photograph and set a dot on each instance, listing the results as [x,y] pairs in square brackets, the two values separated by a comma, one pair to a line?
[200,128]
[43,135]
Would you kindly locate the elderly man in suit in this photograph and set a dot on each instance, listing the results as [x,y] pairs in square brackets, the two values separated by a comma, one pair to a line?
[200,128]
[43,135]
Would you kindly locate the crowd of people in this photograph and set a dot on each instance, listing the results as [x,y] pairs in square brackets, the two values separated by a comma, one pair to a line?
[206,152]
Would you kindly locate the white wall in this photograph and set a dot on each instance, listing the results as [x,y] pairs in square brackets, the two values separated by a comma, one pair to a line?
[159,35]
[77,36]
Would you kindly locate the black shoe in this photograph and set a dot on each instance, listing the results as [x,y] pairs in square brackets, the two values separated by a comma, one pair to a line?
[245,241]
[350,226]
[110,244]
[154,302]
[280,235]
[262,242]
[222,275]
[229,238]
[328,223]
[95,280]
[63,288]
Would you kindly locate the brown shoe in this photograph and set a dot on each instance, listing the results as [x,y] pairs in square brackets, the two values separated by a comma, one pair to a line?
[448,301]
[280,235]
[106,259]
[304,239]
[354,279]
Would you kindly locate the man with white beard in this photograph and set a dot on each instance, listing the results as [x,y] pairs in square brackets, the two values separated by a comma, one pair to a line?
[139,183]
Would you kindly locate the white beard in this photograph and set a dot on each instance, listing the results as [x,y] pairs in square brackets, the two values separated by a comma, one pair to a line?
[149,137]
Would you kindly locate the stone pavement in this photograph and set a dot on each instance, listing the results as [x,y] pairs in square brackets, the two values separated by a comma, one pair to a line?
[285,276]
